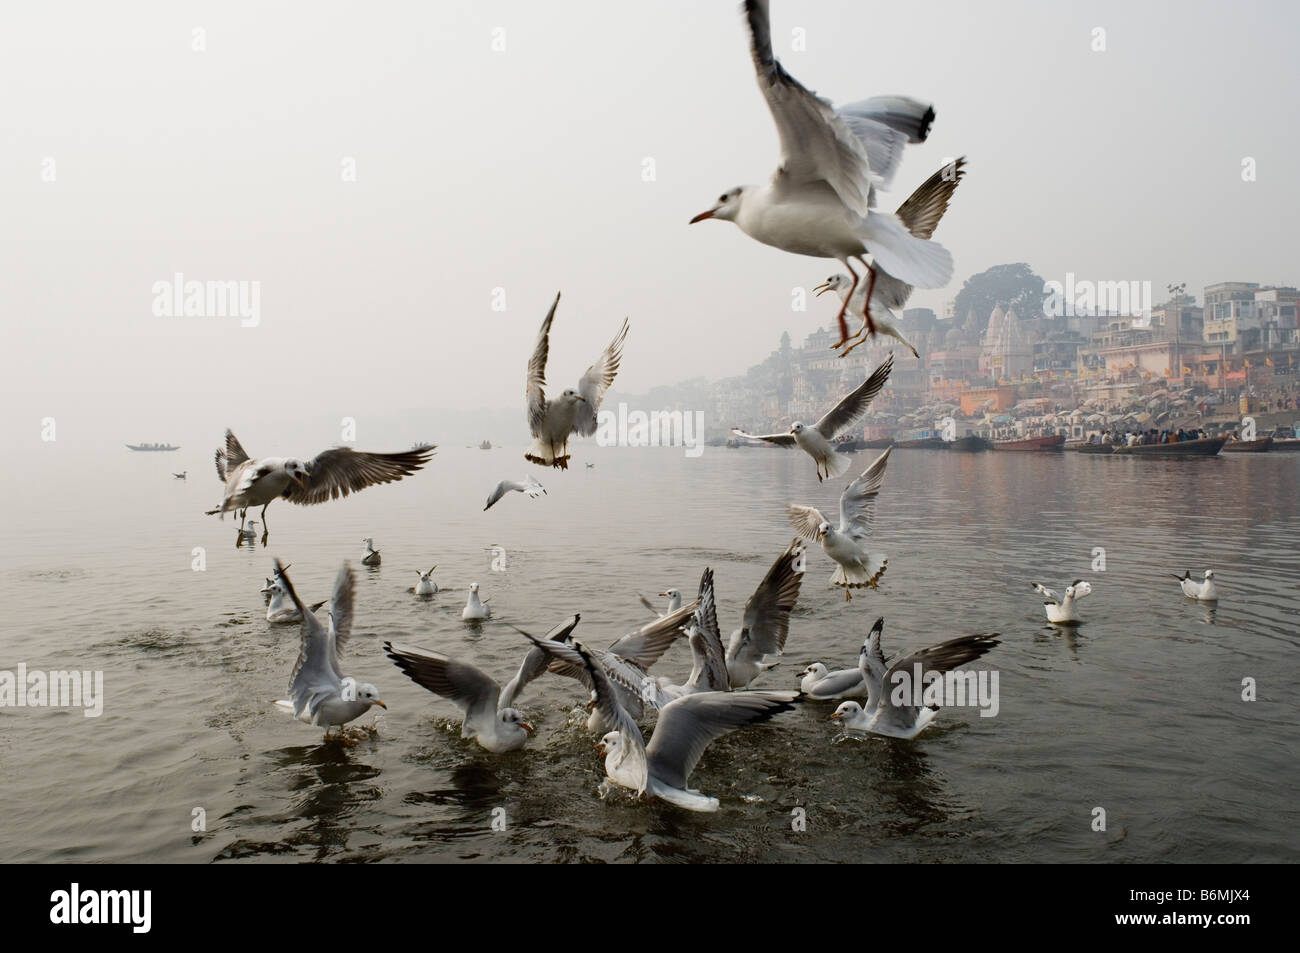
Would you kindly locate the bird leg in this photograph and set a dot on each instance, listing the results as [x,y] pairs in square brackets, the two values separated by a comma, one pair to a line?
[844,325]
[847,595]
[266,532]
[861,339]
[866,308]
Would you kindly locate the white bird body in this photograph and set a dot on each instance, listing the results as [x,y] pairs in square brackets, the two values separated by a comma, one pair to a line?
[882,713]
[848,543]
[528,486]
[474,608]
[319,693]
[1204,591]
[475,693]
[1064,611]
[426,586]
[817,681]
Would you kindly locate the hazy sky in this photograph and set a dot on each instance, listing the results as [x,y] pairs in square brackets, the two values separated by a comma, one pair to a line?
[523,169]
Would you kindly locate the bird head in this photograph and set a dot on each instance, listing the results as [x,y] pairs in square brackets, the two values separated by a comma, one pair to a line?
[798,427]
[572,396]
[368,693]
[1209,574]
[511,716]
[727,206]
[610,744]
[833,283]
[670,593]
[473,587]
[297,470]
[816,669]
[822,529]
[847,710]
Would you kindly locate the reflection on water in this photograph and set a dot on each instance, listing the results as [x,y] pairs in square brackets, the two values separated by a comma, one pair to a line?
[1119,710]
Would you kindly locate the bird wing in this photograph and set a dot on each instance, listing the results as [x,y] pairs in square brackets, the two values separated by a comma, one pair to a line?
[535,662]
[767,613]
[315,674]
[858,501]
[341,603]
[646,645]
[229,456]
[706,643]
[943,657]
[817,144]
[854,406]
[649,605]
[691,723]
[596,381]
[884,125]
[342,470]
[780,439]
[534,393]
[473,691]
[805,519]
[924,207]
[1048,594]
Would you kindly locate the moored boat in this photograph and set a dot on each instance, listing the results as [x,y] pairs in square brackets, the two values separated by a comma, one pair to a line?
[881,443]
[151,447]
[1206,447]
[970,444]
[1054,442]
[1260,445]
[1085,447]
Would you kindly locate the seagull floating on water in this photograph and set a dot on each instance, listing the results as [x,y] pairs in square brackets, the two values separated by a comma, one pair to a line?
[319,692]
[328,476]
[1063,610]
[816,441]
[921,214]
[551,422]
[426,586]
[820,200]
[474,609]
[529,486]
[847,544]
[371,556]
[280,607]
[817,681]
[1203,591]
[474,693]
[882,714]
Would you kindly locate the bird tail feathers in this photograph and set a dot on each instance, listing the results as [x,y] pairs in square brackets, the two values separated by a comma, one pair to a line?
[837,463]
[855,577]
[920,262]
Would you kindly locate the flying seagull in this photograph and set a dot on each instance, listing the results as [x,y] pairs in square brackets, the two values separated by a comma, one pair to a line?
[473,692]
[551,422]
[883,714]
[708,657]
[820,201]
[674,597]
[319,692]
[330,475]
[1204,591]
[921,214]
[529,486]
[181,475]
[847,543]
[1062,610]
[817,440]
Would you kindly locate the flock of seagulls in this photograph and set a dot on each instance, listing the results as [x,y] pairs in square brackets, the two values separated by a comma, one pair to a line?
[820,202]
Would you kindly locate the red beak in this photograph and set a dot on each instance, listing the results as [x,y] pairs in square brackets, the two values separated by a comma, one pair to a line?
[702,216]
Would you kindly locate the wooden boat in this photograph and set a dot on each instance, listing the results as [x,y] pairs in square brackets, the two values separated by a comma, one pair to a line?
[1084,447]
[970,444]
[1054,442]
[1286,444]
[1207,447]
[1261,445]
